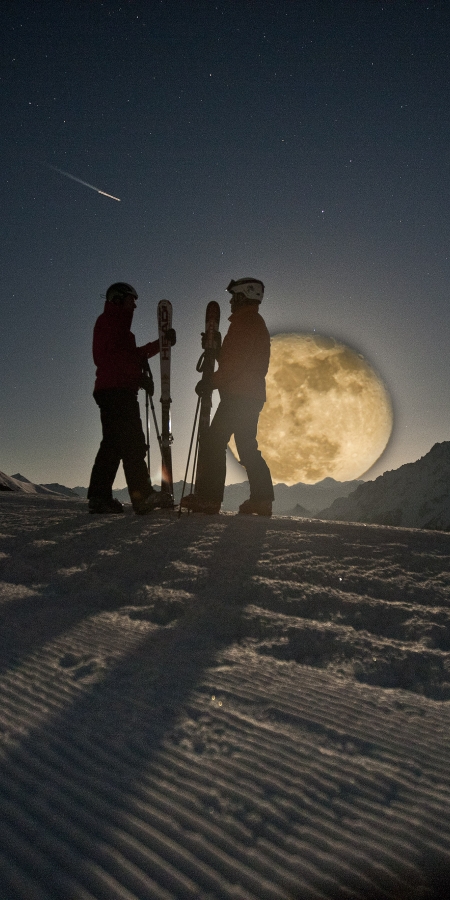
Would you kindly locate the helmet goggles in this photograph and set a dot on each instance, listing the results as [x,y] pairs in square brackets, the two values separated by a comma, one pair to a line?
[252,288]
[118,291]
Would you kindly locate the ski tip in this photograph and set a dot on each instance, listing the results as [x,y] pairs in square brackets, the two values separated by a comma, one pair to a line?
[213,311]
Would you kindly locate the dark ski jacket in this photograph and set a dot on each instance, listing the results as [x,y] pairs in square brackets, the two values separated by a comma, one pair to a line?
[244,356]
[118,360]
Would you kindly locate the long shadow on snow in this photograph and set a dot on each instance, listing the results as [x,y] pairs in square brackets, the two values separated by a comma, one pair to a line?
[118,728]
[70,579]
[75,778]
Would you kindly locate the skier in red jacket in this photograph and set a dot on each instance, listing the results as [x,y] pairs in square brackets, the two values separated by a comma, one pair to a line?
[240,380]
[119,376]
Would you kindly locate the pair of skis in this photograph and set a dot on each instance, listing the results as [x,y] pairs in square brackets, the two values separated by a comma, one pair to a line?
[165,437]
[205,366]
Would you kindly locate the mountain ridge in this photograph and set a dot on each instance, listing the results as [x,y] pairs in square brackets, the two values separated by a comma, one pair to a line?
[311,497]
[416,495]
[297,499]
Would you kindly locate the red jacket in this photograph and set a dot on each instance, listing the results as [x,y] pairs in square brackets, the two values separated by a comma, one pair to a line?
[118,360]
[244,357]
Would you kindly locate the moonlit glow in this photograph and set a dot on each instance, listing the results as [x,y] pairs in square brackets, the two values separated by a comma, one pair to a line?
[328,414]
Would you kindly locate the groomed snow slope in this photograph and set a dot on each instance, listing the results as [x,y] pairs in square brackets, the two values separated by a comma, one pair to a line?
[221,707]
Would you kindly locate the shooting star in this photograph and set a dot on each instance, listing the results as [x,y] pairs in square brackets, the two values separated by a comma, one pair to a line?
[86,184]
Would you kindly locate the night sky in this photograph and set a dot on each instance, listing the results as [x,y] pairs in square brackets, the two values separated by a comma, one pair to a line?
[303,143]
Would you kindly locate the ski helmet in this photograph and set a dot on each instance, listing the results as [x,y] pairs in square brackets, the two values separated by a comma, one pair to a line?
[118,291]
[252,288]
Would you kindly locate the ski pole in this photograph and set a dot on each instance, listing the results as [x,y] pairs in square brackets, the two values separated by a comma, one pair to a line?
[148,385]
[158,435]
[189,454]
[149,388]
[147,425]
[194,464]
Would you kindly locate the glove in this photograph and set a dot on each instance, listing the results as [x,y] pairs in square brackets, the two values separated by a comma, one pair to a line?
[203,387]
[171,336]
[147,383]
[217,342]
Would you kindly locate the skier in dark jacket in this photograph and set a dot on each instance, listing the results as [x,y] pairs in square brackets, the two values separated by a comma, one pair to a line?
[119,376]
[240,380]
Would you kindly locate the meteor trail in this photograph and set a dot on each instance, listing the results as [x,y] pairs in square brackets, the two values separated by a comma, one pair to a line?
[86,184]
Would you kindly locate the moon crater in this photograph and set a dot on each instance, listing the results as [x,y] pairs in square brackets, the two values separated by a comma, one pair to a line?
[328,413]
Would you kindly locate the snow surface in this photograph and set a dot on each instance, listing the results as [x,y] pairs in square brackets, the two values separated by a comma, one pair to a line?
[221,707]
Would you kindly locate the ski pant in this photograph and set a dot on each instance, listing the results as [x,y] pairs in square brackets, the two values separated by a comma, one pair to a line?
[123,439]
[238,416]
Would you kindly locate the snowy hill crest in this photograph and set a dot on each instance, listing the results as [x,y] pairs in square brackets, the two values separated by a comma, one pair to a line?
[18,484]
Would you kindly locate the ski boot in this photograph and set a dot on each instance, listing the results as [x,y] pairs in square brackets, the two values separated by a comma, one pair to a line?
[102,506]
[256,508]
[147,504]
[166,501]
[194,503]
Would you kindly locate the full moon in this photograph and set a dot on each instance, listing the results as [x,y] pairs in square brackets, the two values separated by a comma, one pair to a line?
[328,414]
